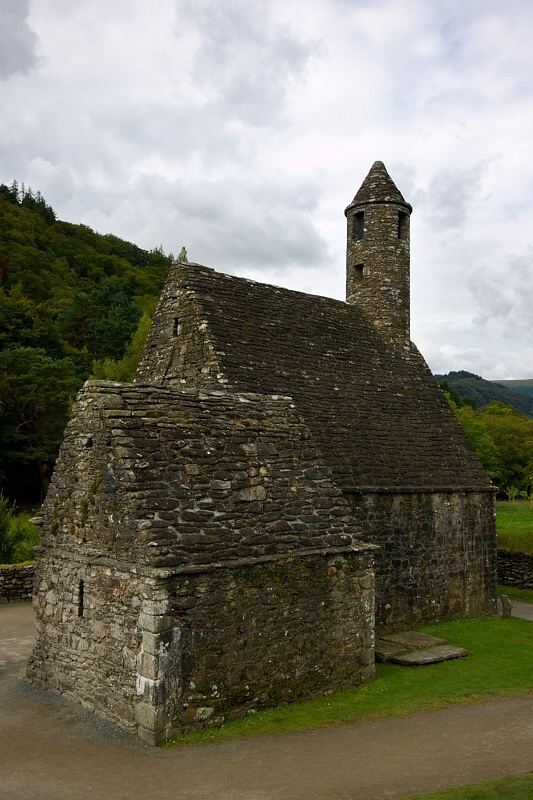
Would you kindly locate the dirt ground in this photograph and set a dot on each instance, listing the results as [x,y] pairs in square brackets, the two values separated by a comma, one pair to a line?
[54,750]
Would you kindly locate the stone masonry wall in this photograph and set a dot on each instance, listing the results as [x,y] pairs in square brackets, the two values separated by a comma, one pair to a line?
[437,557]
[377,278]
[162,654]
[515,569]
[88,638]
[178,348]
[16,583]
[240,638]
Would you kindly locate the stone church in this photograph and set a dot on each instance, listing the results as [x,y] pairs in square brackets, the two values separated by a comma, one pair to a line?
[283,478]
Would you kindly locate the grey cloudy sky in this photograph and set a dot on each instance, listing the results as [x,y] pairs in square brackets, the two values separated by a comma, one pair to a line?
[243,128]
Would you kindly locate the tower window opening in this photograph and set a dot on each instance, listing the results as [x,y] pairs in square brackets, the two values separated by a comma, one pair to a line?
[360,225]
[176,327]
[358,272]
[81,592]
[402,219]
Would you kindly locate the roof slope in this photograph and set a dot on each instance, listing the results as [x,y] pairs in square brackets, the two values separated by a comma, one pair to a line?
[162,476]
[378,187]
[379,416]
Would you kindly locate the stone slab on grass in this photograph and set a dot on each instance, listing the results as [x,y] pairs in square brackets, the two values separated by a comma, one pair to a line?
[414,639]
[433,655]
[412,648]
[384,650]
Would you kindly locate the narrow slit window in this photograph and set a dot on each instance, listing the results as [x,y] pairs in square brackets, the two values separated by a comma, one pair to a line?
[360,225]
[359,272]
[176,327]
[402,218]
[81,598]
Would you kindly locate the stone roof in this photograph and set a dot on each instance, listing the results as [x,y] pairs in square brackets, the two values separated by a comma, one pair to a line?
[378,416]
[378,187]
[163,476]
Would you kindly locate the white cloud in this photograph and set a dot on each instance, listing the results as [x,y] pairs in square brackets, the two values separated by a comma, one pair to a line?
[504,294]
[245,61]
[450,195]
[243,129]
[18,42]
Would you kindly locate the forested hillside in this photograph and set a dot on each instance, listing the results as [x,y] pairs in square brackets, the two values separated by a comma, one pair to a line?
[477,392]
[525,386]
[71,301]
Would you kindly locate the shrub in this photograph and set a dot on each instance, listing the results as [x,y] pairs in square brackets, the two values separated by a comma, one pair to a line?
[17,535]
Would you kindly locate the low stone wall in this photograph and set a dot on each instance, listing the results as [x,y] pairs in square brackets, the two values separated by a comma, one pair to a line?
[515,569]
[16,583]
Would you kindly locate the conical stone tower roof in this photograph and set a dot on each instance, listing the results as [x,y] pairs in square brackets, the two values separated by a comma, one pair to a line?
[378,187]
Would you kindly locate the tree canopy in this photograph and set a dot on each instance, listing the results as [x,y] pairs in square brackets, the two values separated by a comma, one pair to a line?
[503,441]
[70,300]
[36,393]
[465,387]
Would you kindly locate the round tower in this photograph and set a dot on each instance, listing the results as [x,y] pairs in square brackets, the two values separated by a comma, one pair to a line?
[377,255]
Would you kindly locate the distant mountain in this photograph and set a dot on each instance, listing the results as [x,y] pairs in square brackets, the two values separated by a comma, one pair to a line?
[479,392]
[526,387]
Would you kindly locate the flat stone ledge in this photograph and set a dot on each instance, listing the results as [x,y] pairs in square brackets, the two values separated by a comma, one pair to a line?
[386,650]
[413,640]
[433,655]
[412,648]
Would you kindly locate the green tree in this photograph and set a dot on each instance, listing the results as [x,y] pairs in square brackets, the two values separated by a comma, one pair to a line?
[452,395]
[17,536]
[7,544]
[24,323]
[480,437]
[103,321]
[69,291]
[36,392]
[123,371]
[513,434]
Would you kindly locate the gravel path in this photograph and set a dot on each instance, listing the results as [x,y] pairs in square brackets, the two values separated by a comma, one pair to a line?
[53,750]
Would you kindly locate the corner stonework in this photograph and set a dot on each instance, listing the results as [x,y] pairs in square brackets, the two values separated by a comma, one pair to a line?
[159,650]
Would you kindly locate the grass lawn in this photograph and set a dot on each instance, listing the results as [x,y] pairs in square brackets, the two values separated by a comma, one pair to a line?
[516,787]
[500,664]
[514,525]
